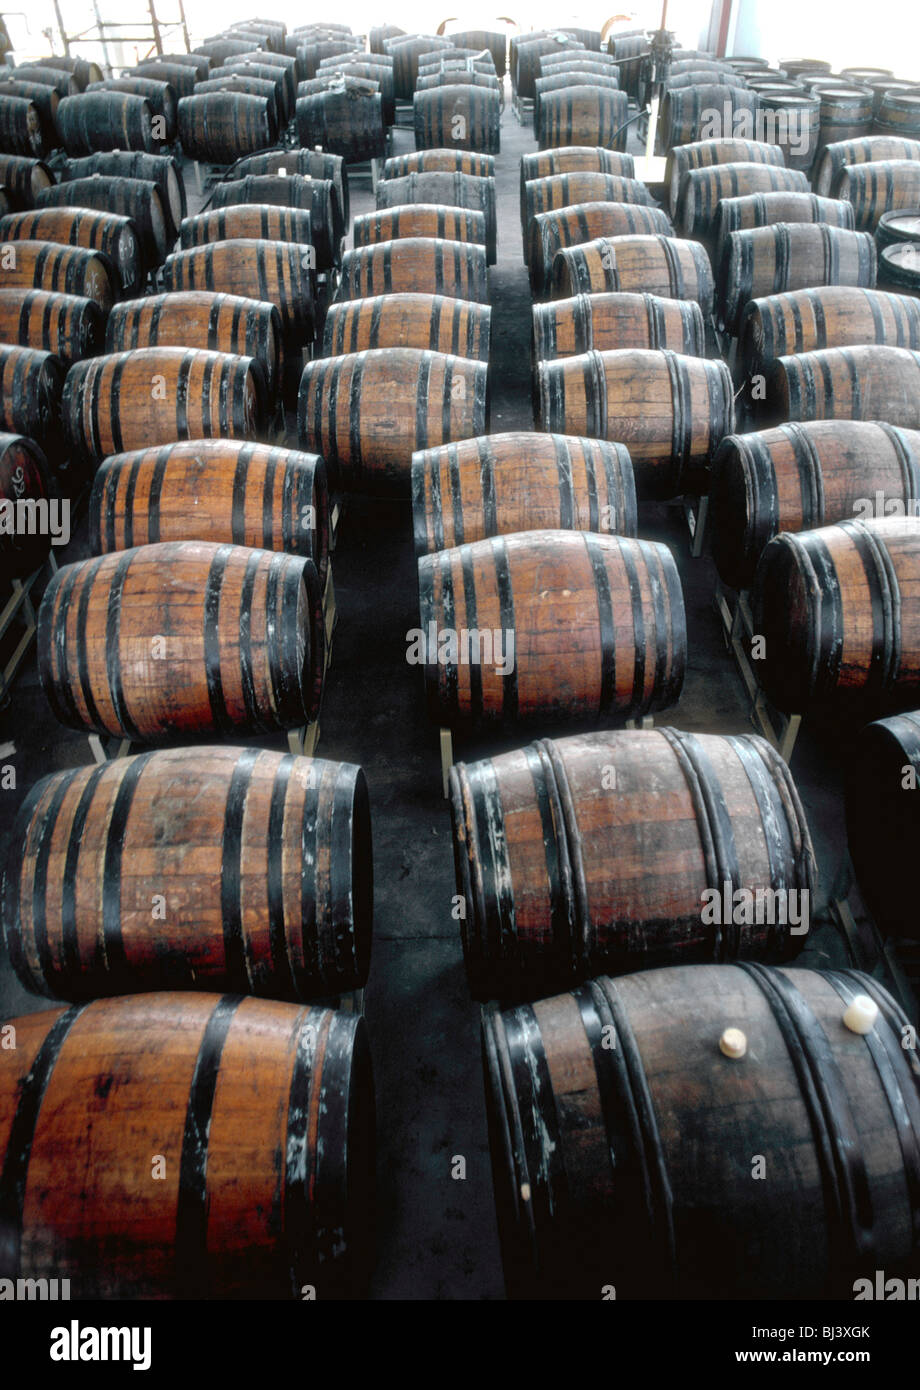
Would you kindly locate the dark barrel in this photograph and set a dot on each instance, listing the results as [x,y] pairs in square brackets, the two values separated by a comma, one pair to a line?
[851,383]
[124,165]
[463,115]
[882,818]
[31,391]
[684,112]
[702,191]
[23,179]
[26,497]
[221,127]
[316,196]
[22,130]
[141,200]
[95,121]
[160,96]
[702,154]
[346,120]
[318,164]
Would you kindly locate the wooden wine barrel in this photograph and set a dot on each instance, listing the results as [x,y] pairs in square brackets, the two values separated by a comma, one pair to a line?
[357,68]
[449,190]
[482,39]
[674,422]
[789,256]
[26,491]
[852,383]
[31,389]
[63,82]
[277,272]
[221,127]
[297,927]
[897,226]
[160,96]
[243,650]
[593,1101]
[283,65]
[839,617]
[419,220]
[416,265]
[551,232]
[198,61]
[129,400]
[202,319]
[882,826]
[347,120]
[213,490]
[605,322]
[107,232]
[66,325]
[826,317]
[258,221]
[527,53]
[440,162]
[217,50]
[583,116]
[631,52]
[879,87]
[432,321]
[235,84]
[574,159]
[21,127]
[570,190]
[766,209]
[94,121]
[315,163]
[45,100]
[603,64]
[846,114]
[161,169]
[182,79]
[366,413]
[684,113]
[83,72]
[899,268]
[801,476]
[23,179]
[705,76]
[564,916]
[464,115]
[662,265]
[316,196]
[567,80]
[878,187]
[47,265]
[898,113]
[703,154]
[503,483]
[380,33]
[834,158]
[793,119]
[141,200]
[241,1098]
[703,190]
[572,617]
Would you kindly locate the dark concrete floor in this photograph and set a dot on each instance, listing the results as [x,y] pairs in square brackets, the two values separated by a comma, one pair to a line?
[437,1236]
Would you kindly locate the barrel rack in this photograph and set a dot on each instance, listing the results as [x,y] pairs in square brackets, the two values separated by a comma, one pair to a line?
[734,611]
[20,601]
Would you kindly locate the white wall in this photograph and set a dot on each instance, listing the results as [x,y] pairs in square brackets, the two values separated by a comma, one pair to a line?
[847,33]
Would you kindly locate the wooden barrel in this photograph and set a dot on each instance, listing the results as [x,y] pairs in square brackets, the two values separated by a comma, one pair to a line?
[66,325]
[693,113]
[605,322]
[240,1098]
[365,71]
[449,190]
[83,72]
[702,154]
[631,52]
[283,65]
[23,179]
[236,84]
[258,221]
[839,617]
[662,265]
[420,220]
[95,121]
[484,40]
[129,400]
[799,67]
[26,497]
[465,115]
[834,158]
[182,79]
[416,265]
[21,128]
[298,927]
[572,619]
[635,1189]
[583,116]
[198,61]
[852,383]
[670,410]
[160,97]
[141,200]
[316,196]
[346,120]
[826,317]
[603,64]
[898,113]
[878,187]
[46,265]
[801,476]
[557,191]
[882,826]
[566,80]
[789,256]
[221,127]
[107,232]
[277,272]
[368,412]
[527,53]
[202,319]
[243,650]
[703,190]
[31,389]
[897,226]
[574,159]
[315,163]
[503,483]
[380,33]
[899,268]
[595,800]
[63,82]
[705,76]
[793,121]
[433,321]
[440,162]
[45,100]
[551,232]
[213,490]
[161,169]
[846,114]
[880,86]
[766,209]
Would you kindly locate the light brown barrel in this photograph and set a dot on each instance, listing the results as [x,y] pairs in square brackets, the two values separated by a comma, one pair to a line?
[683,110]
[31,390]
[789,256]
[128,400]
[280,272]
[460,113]
[221,127]
[552,231]
[23,179]
[183,638]
[262,1113]
[878,187]
[702,154]
[898,112]
[605,322]
[122,166]
[26,492]
[801,476]
[141,200]
[670,410]
[416,265]
[766,209]
[451,190]
[247,221]
[834,158]
[316,196]
[502,483]
[574,159]
[558,191]
[66,325]
[851,383]
[160,96]
[432,321]
[568,80]
[583,116]
[574,619]
[368,412]
[702,190]
[443,161]
[662,265]
[221,490]
[107,232]
[420,220]
[828,316]
[21,128]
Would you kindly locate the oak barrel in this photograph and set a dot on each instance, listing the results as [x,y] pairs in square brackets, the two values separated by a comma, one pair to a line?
[558,191]
[221,127]
[66,325]
[419,220]
[826,316]
[605,322]
[316,196]
[702,154]
[766,209]
[318,164]
[878,187]
[346,120]
[451,190]
[252,221]
[702,191]
[95,121]
[279,272]
[852,383]
[882,822]
[552,231]
[27,495]
[689,114]
[107,232]
[449,161]
[50,265]
[433,321]
[31,392]
[141,200]
[23,179]
[160,96]
[840,155]
[789,256]
[22,130]
[420,265]
[667,266]
[583,116]
[466,115]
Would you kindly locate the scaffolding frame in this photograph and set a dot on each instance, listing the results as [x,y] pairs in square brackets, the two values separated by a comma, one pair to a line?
[104,31]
